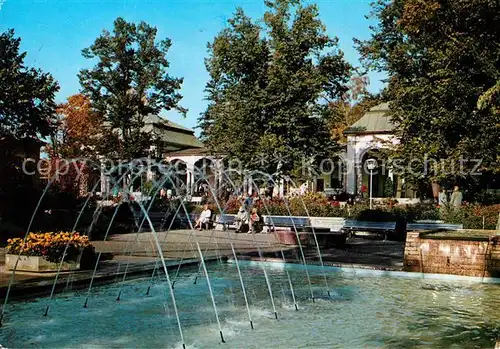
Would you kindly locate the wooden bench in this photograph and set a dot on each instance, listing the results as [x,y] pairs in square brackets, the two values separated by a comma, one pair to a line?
[158,219]
[384,228]
[333,224]
[433,226]
[222,222]
[183,221]
[270,222]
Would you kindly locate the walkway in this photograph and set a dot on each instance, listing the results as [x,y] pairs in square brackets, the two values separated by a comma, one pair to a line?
[138,254]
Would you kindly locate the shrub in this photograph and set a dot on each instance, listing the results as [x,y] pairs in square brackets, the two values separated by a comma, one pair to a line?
[471,216]
[51,246]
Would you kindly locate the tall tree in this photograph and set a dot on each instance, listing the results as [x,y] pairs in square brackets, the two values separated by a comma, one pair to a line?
[27,105]
[80,129]
[443,59]
[351,106]
[237,65]
[27,113]
[266,91]
[130,81]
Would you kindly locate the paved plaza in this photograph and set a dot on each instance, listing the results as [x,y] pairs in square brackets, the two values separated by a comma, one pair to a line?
[137,253]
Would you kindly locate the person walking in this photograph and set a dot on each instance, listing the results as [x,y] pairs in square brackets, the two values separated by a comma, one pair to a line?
[442,198]
[456,197]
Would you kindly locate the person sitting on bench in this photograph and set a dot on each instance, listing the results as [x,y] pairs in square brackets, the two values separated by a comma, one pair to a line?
[254,218]
[205,216]
[241,219]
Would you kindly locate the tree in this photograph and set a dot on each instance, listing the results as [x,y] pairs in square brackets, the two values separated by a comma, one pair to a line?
[237,65]
[27,113]
[129,82]
[79,131]
[27,106]
[442,57]
[267,92]
[351,107]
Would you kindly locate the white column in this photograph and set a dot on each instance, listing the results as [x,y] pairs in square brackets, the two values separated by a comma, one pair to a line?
[282,187]
[351,165]
[190,180]
[104,184]
[250,186]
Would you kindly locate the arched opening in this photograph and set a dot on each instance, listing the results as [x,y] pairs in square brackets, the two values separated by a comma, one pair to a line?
[204,177]
[180,180]
[332,176]
[382,182]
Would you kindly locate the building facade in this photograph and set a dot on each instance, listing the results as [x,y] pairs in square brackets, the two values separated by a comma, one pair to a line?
[371,137]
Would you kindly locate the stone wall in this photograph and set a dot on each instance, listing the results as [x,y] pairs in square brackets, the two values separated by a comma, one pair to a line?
[459,256]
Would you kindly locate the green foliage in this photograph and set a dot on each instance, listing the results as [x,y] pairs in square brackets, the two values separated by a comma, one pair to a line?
[388,187]
[442,60]
[129,81]
[473,216]
[267,86]
[351,107]
[27,105]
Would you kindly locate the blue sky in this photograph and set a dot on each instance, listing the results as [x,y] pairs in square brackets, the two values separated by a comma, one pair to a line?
[54,32]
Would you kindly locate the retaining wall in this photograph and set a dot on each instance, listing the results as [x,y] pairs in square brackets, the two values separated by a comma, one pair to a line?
[474,256]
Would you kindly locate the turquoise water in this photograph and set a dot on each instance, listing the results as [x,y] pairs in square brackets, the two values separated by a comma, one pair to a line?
[364,311]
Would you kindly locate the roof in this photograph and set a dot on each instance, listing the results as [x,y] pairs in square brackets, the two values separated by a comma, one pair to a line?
[171,133]
[374,121]
[155,119]
[178,139]
[192,151]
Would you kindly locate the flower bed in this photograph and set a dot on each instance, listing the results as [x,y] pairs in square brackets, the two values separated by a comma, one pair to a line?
[470,215]
[44,251]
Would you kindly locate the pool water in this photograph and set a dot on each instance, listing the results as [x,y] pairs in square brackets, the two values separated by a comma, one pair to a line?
[363,311]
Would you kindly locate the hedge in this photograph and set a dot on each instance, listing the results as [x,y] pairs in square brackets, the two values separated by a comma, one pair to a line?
[471,216]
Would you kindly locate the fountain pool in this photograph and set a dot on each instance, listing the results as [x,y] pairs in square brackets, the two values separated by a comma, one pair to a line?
[364,310]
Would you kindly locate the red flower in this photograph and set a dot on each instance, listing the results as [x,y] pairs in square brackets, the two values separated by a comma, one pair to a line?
[364,188]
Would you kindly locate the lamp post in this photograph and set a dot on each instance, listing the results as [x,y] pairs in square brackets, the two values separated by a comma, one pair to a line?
[371,164]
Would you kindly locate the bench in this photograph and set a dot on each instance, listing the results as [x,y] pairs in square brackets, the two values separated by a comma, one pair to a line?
[183,221]
[351,226]
[433,226]
[270,222]
[222,222]
[333,224]
[158,219]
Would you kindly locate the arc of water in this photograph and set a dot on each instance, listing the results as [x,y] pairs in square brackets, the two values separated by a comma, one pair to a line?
[99,255]
[156,190]
[204,266]
[316,243]
[274,233]
[206,249]
[282,254]
[296,236]
[164,239]
[235,259]
[95,217]
[160,253]
[49,183]
[145,212]
[67,245]
[185,249]
[65,251]
[261,257]
[104,239]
